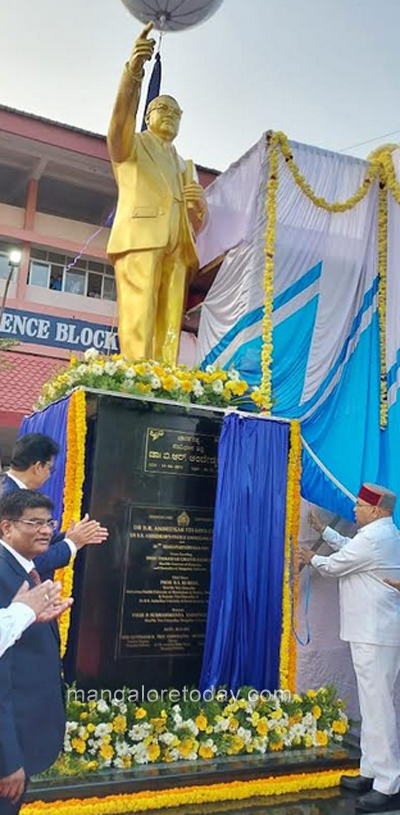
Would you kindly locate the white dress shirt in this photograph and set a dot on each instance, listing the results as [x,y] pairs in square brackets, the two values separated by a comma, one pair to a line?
[369,608]
[17,617]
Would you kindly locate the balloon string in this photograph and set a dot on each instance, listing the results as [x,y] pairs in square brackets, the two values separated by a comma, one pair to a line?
[160,39]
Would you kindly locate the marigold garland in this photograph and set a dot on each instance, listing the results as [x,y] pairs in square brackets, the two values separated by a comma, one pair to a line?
[270,236]
[73,493]
[319,201]
[165,799]
[380,166]
[287,668]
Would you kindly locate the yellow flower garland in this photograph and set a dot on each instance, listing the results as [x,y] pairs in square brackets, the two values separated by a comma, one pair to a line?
[73,492]
[270,234]
[184,796]
[380,166]
[287,668]
[319,201]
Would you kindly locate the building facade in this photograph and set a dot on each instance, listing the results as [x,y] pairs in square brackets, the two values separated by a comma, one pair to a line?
[57,194]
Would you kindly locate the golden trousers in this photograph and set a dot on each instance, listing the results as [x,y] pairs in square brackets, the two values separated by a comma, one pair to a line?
[151,291]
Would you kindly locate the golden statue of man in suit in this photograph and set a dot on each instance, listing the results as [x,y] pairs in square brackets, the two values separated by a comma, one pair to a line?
[161,208]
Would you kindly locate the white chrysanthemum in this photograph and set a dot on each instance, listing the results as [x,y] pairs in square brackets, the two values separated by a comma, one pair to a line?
[210,744]
[67,745]
[261,743]
[82,732]
[80,370]
[166,738]
[110,368]
[221,726]
[198,389]
[218,386]
[155,382]
[122,706]
[138,732]
[309,722]
[211,369]
[119,364]
[90,354]
[122,748]
[174,754]
[97,370]
[245,734]
[130,373]
[102,730]
[178,719]
[297,730]
[102,706]
[187,724]
[337,737]
[71,727]
[141,754]
[176,709]
[233,375]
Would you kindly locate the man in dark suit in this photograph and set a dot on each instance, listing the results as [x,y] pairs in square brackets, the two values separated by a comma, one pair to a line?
[32,714]
[32,463]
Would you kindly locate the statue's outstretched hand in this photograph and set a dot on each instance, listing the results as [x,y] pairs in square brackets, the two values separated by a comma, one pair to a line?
[143,49]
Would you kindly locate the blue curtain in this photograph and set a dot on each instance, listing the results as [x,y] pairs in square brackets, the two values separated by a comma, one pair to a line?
[154,85]
[245,607]
[52,421]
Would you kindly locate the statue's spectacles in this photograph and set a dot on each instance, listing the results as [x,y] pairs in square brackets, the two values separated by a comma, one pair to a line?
[176,114]
[37,524]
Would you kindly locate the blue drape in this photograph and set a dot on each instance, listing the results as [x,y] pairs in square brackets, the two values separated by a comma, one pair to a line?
[245,608]
[154,85]
[52,421]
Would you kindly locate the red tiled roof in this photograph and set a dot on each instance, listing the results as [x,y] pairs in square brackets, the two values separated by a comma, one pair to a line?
[21,379]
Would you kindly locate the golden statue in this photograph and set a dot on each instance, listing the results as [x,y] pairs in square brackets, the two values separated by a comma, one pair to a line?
[161,208]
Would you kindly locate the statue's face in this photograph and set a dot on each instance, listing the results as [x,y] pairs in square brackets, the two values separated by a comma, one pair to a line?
[164,118]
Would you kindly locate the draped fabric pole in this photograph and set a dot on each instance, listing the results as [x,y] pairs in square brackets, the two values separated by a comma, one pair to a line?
[245,606]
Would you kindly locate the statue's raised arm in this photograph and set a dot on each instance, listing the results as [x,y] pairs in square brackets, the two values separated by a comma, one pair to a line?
[122,127]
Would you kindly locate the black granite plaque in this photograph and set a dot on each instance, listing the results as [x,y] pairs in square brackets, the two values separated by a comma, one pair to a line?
[143,596]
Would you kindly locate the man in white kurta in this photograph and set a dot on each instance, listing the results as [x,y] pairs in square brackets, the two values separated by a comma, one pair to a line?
[370,622]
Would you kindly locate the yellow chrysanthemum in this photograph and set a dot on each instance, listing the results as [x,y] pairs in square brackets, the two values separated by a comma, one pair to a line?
[79,745]
[119,724]
[276,746]
[206,752]
[262,727]
[140,713]
[322,738]
[106,751]
[311,694]
[316,712]
[339,726]
[186,747]
[153,752]
[201,721]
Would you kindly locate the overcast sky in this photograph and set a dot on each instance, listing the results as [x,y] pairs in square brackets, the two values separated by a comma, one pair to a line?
[327,72]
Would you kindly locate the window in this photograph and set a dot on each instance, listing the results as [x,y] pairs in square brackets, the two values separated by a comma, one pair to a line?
[88,278]
[39,274]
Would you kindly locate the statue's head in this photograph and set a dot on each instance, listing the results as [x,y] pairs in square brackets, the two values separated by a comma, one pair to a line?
[163,116]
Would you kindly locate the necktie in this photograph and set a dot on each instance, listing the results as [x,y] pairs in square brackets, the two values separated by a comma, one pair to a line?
[34,575]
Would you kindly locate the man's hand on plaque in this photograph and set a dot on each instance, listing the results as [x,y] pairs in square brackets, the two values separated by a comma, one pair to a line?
[143,49]
[86,532]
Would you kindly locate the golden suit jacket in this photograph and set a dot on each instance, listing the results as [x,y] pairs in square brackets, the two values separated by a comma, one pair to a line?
[145,201]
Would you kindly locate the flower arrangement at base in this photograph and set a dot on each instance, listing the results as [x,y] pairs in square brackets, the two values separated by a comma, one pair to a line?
[119,733]
[213,386]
